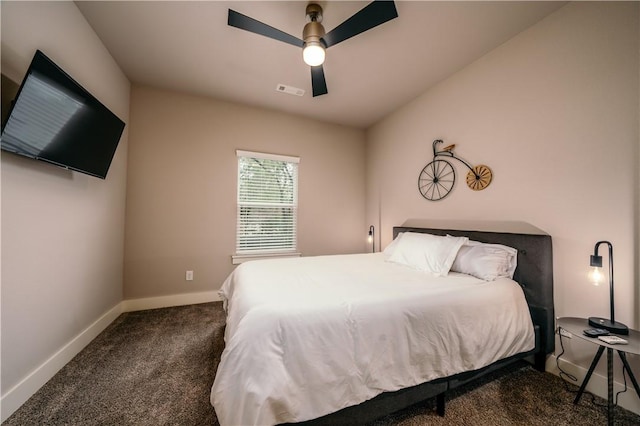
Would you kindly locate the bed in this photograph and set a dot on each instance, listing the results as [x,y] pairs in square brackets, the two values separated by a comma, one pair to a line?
[347,339]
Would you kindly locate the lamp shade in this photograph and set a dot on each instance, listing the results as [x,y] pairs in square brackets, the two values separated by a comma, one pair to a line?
[595,276]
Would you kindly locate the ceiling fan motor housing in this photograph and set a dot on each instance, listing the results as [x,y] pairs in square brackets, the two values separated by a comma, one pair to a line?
[313,31]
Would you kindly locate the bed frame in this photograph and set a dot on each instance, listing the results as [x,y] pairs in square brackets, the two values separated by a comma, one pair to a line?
[534,273]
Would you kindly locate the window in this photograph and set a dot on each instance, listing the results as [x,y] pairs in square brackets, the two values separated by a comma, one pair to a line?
[267,205]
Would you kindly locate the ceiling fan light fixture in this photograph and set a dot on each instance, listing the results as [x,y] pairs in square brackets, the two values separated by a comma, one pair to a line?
[313,53]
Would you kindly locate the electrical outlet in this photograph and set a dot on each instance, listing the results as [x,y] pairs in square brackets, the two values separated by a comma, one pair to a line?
[564,333]
[189,276]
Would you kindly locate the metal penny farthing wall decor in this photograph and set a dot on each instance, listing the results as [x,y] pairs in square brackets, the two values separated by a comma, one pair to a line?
[437,178]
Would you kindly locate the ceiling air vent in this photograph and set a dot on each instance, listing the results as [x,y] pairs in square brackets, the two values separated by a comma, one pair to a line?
[289,89]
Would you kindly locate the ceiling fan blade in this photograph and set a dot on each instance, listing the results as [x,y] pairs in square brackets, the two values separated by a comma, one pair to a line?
[374,14]
[318,83]
[246,23]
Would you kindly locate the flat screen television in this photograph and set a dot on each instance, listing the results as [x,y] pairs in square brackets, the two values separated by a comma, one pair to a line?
[54,119]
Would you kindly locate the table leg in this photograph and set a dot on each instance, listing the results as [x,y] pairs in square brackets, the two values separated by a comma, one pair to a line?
[623,357]
[589,373]
[609,386]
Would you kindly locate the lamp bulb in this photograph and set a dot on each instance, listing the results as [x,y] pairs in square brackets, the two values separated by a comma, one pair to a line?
[596,276]
[370,238]
[313,54]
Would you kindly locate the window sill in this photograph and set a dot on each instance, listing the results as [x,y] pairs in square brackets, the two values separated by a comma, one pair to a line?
[237,259]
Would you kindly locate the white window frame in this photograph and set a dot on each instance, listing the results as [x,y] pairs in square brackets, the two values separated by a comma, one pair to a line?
[243,256]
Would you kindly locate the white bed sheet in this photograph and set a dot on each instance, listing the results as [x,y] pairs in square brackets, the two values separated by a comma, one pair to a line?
[308,336]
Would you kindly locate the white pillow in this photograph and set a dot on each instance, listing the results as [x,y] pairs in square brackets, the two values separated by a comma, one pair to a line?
[426,252]
[486,261]
[388,251]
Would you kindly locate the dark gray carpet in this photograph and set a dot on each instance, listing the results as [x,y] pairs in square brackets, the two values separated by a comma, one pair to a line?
[156,368]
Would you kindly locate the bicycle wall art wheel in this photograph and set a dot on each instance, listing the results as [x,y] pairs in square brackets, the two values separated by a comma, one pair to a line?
[479,178]
[436,180]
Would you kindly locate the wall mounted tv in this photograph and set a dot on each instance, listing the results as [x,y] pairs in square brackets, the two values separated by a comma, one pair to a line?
[56,120]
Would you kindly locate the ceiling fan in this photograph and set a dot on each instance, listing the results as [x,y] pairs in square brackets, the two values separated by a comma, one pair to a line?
[314,40]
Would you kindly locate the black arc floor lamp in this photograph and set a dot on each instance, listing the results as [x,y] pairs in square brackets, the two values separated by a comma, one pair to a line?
[372,232]
[608,324]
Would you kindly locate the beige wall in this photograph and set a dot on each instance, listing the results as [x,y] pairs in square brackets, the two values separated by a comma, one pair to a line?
[554,112]
[181,187]
[62,232]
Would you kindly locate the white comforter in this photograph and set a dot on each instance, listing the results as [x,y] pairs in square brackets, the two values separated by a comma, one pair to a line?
[308,336]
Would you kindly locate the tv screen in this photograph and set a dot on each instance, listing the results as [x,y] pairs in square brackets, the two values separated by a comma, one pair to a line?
[56,120]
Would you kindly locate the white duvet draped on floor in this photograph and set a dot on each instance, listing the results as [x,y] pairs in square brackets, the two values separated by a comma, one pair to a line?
[308,336]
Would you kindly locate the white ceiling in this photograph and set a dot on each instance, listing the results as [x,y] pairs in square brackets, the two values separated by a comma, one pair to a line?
[187,46]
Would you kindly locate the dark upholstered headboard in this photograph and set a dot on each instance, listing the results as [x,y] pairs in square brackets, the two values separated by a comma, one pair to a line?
[535,261]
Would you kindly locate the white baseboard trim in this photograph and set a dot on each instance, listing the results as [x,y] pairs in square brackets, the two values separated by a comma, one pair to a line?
[21,392]
[598,384]
[142,304]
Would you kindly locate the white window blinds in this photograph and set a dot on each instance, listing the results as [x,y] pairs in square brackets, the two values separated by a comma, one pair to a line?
[267,203]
